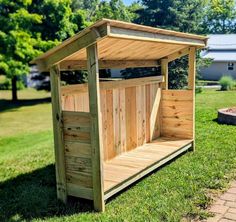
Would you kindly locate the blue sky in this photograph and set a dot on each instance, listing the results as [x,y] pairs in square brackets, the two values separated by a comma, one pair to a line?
[127,2]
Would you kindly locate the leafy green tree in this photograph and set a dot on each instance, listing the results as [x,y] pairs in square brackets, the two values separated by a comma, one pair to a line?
[220,17]
[185,16]
[30,28]
[17,45]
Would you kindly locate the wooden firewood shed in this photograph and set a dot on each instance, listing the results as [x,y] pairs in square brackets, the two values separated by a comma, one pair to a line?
[109,134]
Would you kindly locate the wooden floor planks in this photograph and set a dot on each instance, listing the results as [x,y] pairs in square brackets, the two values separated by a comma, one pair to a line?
[128,164]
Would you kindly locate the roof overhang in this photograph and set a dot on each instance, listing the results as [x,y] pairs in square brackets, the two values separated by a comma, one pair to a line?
[118,42]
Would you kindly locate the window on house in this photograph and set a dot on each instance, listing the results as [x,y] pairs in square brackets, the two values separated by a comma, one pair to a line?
[230,66]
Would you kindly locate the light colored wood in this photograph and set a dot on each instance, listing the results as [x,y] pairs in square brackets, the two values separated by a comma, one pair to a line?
[125,120]
[164,72]
[83,88]
[178,54]
[70,46]
[96,127]
[130,82]
[177,113]
[131,166]
[132,26]
[105,64]
[157,37]
[115,49]
[82,179]
[104,32]
[155,96]
[78,164]
[191,84]
[192,69]
[131,123]
[78,191]
[78,149]
[58,134]
[80,119]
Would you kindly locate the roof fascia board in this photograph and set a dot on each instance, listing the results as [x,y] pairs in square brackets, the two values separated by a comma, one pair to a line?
[154,37]
[82,41]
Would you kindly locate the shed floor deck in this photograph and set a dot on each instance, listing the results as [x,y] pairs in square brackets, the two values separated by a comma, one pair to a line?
[131,166]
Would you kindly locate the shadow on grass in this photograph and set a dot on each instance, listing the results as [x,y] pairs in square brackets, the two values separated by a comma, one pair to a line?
[9,105]
[33,195]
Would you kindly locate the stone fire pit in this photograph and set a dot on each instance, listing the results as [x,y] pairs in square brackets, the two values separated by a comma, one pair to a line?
[227,116]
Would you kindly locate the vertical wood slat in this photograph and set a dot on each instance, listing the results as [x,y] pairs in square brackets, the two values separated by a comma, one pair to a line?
[96,127]
[191,83]
[126,122]
[58,133]
[109,146]
[122,120]
[131,127]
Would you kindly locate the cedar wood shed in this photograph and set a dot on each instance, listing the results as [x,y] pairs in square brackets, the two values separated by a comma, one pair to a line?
[109,134]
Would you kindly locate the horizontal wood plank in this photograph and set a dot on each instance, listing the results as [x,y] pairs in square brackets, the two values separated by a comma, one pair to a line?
[78,191]
[132,164]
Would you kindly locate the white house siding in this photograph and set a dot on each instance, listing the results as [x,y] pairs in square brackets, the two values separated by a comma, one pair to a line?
[216,70]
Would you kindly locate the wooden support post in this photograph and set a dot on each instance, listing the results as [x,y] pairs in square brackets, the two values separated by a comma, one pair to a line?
[192,68]
[164,72]
[191,83]
[96,134]
[58,133]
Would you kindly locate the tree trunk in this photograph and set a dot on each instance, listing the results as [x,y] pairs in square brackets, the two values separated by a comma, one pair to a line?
[14,88]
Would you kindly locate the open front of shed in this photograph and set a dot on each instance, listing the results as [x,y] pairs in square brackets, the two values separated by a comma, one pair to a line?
[107,135]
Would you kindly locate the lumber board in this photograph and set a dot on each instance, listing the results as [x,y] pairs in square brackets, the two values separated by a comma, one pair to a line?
[75,148]
[108,64]
[191,83]
[82,179]
[83,88]
[133,165]
[147,36]
[78,191]
[58,134]
[177,113]
[96,127]
[164,72]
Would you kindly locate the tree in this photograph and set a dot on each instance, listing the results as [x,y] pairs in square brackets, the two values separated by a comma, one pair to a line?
[220,17]
[30,28]
[185,16]
[17,44]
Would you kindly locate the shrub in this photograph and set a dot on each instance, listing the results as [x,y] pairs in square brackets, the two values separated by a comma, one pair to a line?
[226,82]
[199,89]
[6,84]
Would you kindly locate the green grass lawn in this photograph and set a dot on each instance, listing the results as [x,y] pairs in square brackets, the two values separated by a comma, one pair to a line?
[179,190]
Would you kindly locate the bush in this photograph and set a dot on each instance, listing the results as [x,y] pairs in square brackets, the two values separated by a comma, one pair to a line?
[226,82]
[6,84]
[198,89]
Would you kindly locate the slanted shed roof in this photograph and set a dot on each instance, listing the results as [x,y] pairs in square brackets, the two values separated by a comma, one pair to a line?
[221,48]
[119,41]
[222,42]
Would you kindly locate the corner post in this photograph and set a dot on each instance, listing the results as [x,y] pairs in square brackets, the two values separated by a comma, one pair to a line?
[96,133]
[58,133]
[191,84]
[164,72]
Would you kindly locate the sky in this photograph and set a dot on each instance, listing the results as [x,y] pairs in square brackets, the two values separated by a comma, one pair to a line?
[128,2]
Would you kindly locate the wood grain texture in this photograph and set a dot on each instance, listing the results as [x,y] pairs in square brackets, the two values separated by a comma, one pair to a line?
[123,168]
[177,113]
[58,134]
[96,128]
[191,83]
[130,114]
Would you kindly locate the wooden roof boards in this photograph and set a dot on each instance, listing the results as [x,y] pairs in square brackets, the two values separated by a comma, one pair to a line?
[118,41]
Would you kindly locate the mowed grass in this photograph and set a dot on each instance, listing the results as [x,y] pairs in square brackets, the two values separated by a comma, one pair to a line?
[179,190]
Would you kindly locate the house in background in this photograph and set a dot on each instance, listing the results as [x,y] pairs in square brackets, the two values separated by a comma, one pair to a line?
[222,49]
